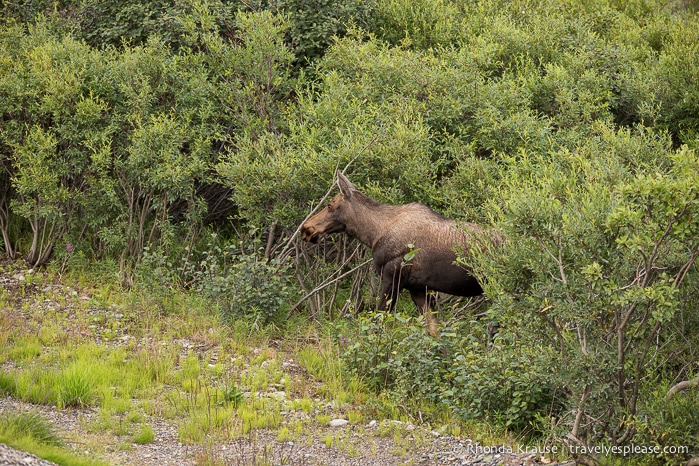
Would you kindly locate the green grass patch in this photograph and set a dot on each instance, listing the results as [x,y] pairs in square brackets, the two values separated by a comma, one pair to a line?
[29,424]
[25,350]
[76,386]
[38,385]
[144,435]
[173,359]
[324,363]
[8,384]
[31,432]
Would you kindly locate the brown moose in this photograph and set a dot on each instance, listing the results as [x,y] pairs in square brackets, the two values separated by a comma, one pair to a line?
[392,232]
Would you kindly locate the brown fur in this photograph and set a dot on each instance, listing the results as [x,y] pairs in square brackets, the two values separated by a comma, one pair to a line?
[389,230]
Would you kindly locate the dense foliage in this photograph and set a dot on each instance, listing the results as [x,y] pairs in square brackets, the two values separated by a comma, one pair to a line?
[132,131]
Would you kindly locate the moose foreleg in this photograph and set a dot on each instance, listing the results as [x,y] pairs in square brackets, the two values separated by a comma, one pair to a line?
[390,289]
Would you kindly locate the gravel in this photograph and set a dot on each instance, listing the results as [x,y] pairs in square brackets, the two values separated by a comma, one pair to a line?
[11,457]
[352,445]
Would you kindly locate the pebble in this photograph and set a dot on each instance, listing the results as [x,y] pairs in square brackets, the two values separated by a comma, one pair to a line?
[338,422]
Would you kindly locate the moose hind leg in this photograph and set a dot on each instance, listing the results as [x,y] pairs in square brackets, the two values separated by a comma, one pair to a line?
[425,302]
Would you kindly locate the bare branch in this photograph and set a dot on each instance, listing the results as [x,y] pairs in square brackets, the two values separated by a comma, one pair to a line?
[580,412]
[685,268]
[327,284]
[558,260]
[327,193]
[682,386]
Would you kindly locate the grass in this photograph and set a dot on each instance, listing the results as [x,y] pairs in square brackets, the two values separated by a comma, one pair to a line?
[323,362]
[25,350]
[144,435]
[75,386]
[31,432]
[29,424]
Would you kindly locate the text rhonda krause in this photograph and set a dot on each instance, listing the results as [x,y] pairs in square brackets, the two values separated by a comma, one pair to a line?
[623,450]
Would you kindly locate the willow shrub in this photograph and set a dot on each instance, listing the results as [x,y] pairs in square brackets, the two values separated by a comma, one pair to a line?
[598,261]
[110,150]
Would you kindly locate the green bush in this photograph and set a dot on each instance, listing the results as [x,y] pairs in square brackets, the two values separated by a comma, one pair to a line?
[675,72]
[111,150]
[596,257]
[475,378]
[314,24]
[668,423]
[242,282]
[422,24]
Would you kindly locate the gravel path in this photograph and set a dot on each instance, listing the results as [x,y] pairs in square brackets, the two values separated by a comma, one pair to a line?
[356,446]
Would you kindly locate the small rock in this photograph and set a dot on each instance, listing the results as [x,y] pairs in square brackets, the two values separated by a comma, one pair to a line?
[372,424]
[278,395]
[338,422]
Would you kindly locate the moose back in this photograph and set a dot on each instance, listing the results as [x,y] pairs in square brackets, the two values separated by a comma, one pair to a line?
[392,231]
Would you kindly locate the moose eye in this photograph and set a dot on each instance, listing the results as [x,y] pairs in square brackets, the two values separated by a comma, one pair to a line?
[330,208]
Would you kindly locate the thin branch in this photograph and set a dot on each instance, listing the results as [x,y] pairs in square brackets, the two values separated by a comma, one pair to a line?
[310,214]
[685,268]
[581,410]
[270,240]
[361,151]
[682,386]
[327,284]
[332,186]
[558,260]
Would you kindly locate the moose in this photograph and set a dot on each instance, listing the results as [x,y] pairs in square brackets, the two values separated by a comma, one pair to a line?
[412,246]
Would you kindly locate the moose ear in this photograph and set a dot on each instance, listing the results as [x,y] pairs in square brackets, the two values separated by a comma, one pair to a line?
[346,187]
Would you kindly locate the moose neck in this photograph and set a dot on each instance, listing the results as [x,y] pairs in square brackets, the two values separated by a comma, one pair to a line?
[370,220]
